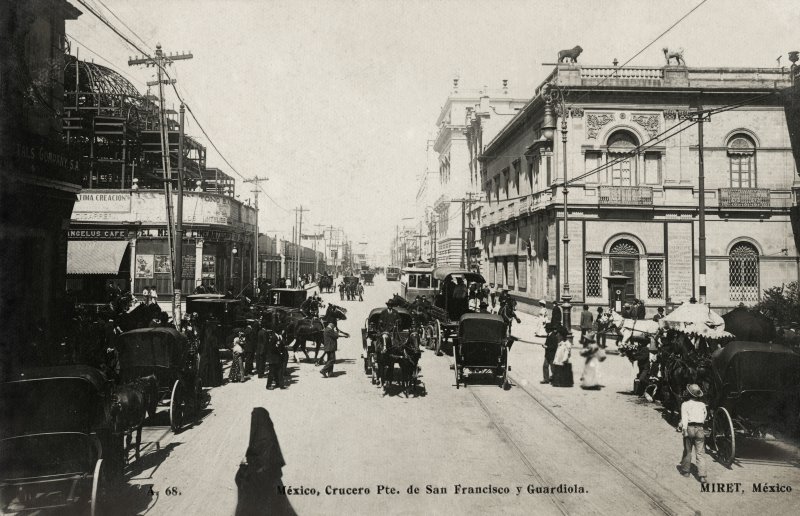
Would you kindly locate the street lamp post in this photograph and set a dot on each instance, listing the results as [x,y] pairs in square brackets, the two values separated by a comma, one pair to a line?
[566,297]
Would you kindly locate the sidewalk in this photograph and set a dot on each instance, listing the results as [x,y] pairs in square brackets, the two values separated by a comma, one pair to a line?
[644,433]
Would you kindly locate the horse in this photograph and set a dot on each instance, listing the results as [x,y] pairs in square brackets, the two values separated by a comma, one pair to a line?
[394,348]
[301,330]
[131,402]
[631,328]
[139,317]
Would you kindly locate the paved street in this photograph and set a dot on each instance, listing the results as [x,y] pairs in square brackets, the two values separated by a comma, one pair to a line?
[343,432]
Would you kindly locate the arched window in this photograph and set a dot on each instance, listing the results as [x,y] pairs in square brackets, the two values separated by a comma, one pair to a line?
[743,272]
[742,158]
[623,171]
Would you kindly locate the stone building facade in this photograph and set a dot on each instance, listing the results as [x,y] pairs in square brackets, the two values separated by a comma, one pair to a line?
[633,190]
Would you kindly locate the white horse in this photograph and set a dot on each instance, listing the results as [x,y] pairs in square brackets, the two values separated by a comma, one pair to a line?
[629,327]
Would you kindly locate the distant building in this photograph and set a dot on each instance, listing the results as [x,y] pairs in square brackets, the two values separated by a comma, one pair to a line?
[468,119]
[633,226]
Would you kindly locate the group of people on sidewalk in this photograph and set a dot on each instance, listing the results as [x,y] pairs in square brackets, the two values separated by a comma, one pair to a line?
[258,343]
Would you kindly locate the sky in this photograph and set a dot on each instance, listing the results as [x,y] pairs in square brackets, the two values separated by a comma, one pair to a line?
[334,100]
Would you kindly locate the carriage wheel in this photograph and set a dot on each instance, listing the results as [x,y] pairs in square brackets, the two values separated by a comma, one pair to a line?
[97,490]
[724,436]
[177,406]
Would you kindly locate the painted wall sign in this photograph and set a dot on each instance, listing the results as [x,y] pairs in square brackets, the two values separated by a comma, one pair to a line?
[97,234]
[161,264]
[103,202]
[679,258]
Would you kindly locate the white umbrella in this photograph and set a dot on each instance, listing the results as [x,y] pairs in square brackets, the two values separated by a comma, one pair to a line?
[694,313]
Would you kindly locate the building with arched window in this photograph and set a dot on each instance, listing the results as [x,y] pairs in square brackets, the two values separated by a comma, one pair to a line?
[632,164]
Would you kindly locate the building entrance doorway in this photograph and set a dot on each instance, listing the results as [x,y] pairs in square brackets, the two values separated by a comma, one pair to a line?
[623,281]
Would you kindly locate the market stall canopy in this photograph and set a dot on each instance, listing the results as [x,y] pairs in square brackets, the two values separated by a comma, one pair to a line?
[694,313]
[749,325]
[95,256]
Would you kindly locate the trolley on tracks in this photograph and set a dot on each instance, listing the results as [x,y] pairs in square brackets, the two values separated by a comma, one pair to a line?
[751,385]
[482,346]
[57,449]
[166,354]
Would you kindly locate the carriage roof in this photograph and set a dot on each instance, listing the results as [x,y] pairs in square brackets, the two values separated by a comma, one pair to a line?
[756,366]
[442,273]
[406,320]
[159,347]
[291,297]
[53,400]
[481,328]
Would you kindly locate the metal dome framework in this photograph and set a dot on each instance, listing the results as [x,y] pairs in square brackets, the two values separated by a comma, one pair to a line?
[116,130]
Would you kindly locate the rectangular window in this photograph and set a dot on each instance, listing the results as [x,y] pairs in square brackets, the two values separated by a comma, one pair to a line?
[516,175]
[741,171]
[498,272]
[532,170]
[412,281]
[591,161]
[522,273]
[620,170]
[652,168]
[505,182]
[548,170]
[593,279]
[497,188]
[655,279]
[507,280]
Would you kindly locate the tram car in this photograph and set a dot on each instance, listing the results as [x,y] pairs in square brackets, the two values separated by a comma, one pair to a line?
[418,280]
[392,273]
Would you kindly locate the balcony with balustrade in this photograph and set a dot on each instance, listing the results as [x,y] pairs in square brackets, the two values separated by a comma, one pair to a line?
[627,196]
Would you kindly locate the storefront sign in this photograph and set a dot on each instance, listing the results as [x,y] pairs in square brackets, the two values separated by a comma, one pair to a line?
[161,264]
[679,261]
[103,202]
[97,234]
[144,266]
[189,262]
[209,267]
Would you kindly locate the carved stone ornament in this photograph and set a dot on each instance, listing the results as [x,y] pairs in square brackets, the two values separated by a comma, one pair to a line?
[576,113]
[670,114]
[649,122]
[595,122]
[683,114]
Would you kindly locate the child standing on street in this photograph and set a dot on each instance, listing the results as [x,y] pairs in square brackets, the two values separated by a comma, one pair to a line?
[693,416]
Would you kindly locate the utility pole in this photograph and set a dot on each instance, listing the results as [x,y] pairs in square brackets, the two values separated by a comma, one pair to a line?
[257,182]
[316,257]
[702,206]
[299,237]
[160,61]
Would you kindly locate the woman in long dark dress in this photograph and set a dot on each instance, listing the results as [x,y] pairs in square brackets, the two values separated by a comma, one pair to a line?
[259,479]
[210,367]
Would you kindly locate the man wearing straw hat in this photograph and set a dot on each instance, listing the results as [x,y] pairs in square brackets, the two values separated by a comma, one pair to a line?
[693,416]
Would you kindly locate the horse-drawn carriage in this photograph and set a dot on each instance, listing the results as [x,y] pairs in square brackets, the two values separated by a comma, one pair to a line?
[752,383]
[482,346]
[57,448]
[383,347]
[448,309]
[368,277]
[167,355]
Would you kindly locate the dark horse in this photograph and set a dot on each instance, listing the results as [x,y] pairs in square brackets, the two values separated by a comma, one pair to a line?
[397,348]
[305,329]
[681,364]
[131,402]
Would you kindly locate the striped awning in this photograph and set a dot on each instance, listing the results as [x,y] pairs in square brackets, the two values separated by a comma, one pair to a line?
[95,256]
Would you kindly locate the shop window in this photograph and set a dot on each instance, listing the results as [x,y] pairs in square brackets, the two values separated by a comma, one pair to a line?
[593,279]
[655,279]
[743,272]
[522,273]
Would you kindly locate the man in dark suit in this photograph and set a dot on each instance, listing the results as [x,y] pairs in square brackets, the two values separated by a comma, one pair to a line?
[331,336]
[555,318]
[550,347]
[261,350]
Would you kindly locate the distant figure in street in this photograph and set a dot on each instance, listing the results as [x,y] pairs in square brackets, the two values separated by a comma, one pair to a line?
[360,291]
[693,416]
[146,295]
[341,291]
[389,317]
[626,311]
[586,323]
[659,315]
[153,295]
[594,354]
[562,368]
[236,374]
[555,317]
[331,336]
[483,308]
[550,347]
[259,478]
[640,310]
[600,325]
[261,350]
[274,360]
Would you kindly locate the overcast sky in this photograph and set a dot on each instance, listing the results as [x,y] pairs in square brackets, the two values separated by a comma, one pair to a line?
[334,100]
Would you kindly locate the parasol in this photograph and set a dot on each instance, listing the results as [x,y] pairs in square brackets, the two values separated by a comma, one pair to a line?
[708,332]
[749,325]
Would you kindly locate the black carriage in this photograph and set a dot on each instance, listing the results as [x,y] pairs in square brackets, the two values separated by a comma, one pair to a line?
[287,297]
[371,331]
[447,310]
[57,449]
[751,385]
[481,347]
[166,354]
[368,277]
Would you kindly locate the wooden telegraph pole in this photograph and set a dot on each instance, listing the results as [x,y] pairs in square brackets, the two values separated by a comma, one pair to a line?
[174,232]
[257,182]
[298,253]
